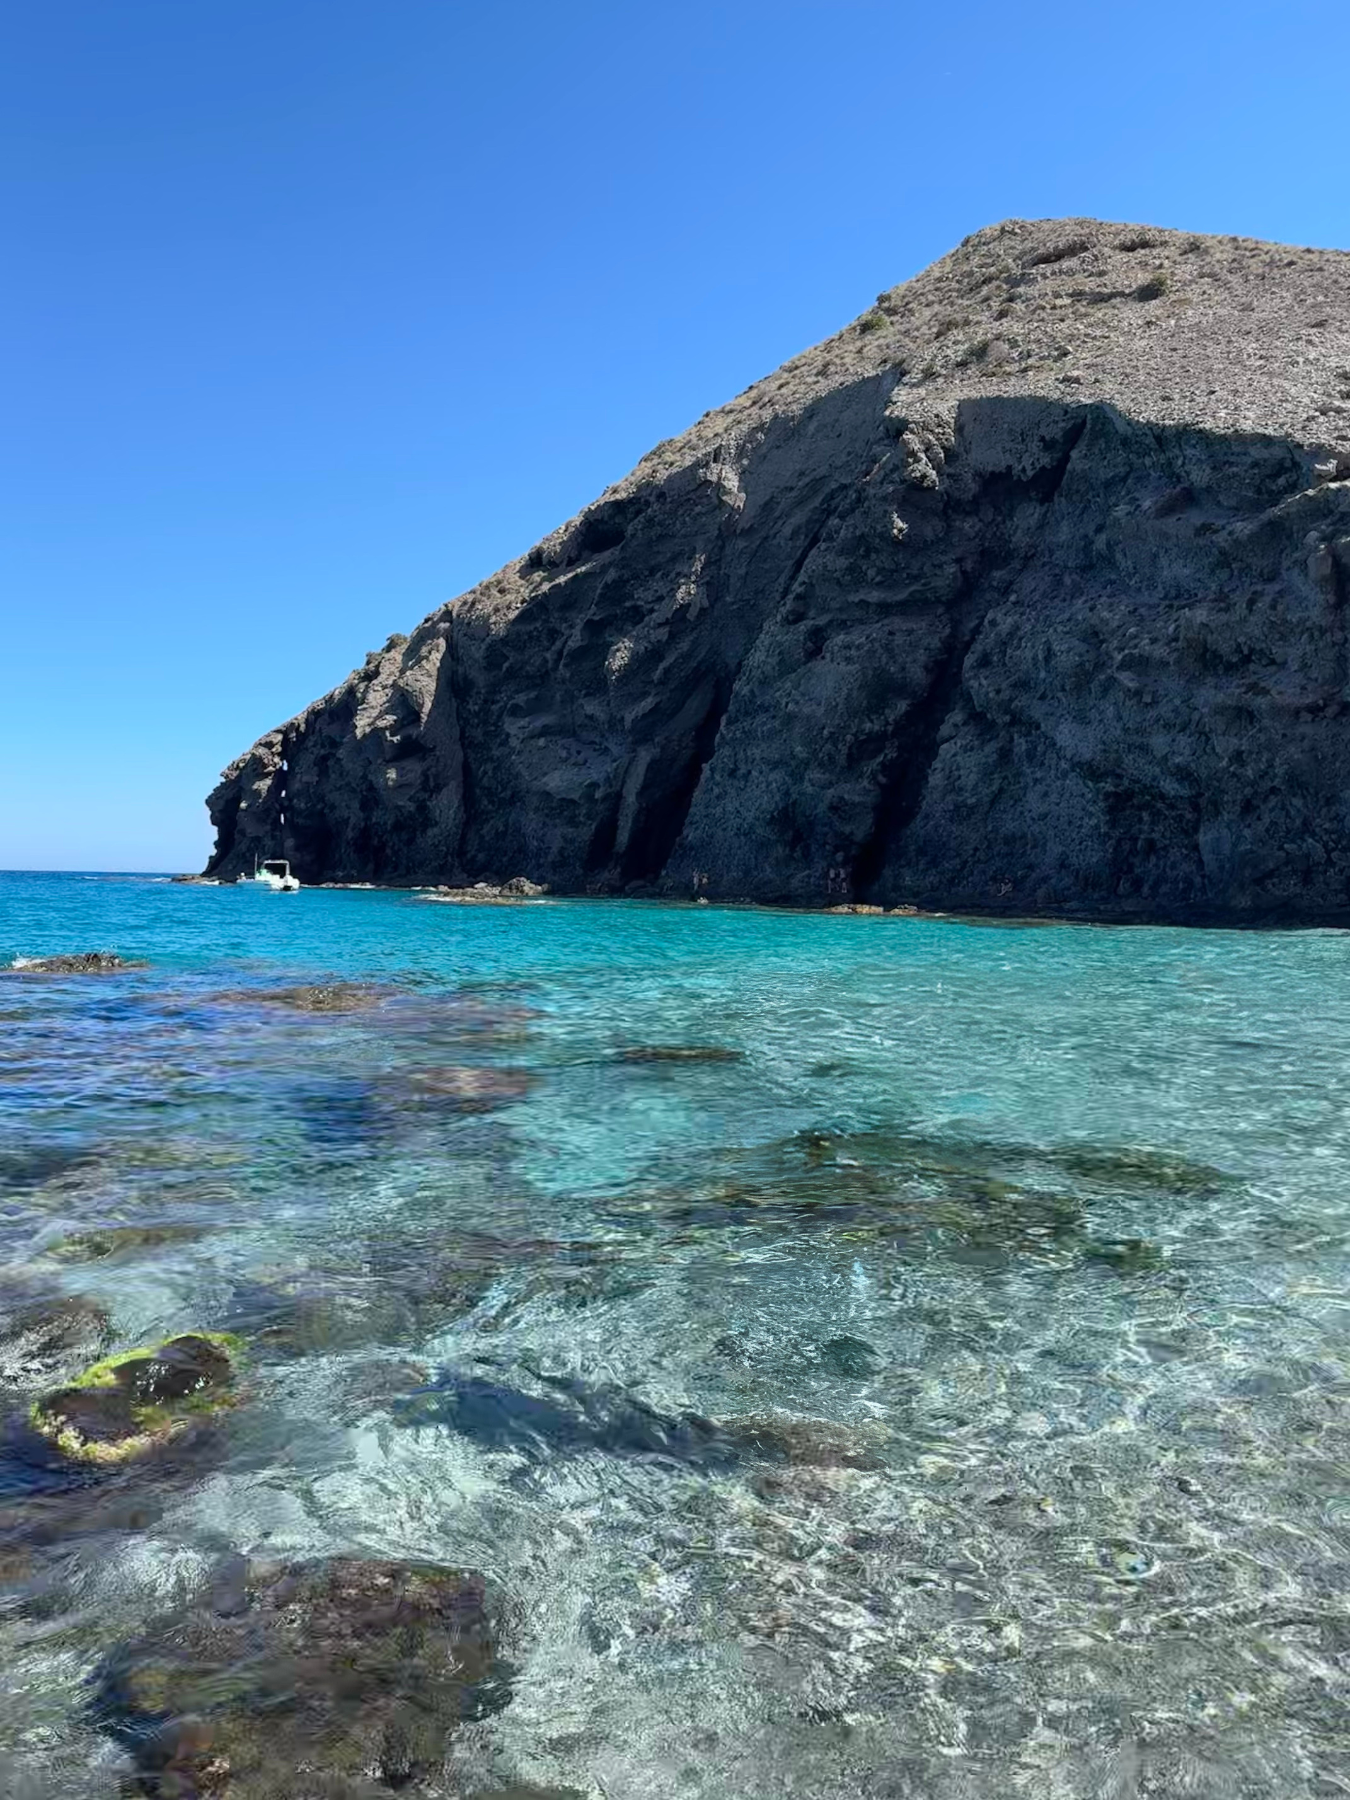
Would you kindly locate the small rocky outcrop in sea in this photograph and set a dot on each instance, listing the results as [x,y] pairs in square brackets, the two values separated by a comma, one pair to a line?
[81,962]
[485,893]
[345,1678]
[134,1403]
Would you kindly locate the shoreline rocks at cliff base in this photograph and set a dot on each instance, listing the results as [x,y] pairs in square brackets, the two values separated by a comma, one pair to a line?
[485,893]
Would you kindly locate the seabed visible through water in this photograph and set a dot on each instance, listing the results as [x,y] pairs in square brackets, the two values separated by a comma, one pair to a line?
[676,1352]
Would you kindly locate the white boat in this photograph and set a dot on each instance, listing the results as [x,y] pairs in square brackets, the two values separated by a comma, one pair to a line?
[275,874]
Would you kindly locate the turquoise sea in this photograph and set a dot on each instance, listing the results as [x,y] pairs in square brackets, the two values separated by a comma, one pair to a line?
[941,1391]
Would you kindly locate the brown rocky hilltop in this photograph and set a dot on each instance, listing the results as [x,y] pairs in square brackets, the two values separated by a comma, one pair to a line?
[1029,590]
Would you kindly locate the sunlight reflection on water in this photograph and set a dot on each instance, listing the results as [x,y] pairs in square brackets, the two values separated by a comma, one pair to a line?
[944,1396]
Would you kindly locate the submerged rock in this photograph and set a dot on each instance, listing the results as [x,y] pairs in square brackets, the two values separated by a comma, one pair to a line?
[567,1416]
[804,1443]
[373,1386]
[1125,1256]
[462,1017]
[110,1241]
[850,1357]
[317,997]
[340,1680]
[44,1338]
[319,1313]
[681,1053]
[470,1088]
[134,1403]
[527,1791]
[82,962]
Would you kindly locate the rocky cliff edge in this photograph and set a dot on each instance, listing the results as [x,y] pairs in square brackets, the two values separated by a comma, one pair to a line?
[1025,592]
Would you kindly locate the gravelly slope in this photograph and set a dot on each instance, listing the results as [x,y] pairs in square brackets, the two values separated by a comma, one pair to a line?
[1026,590]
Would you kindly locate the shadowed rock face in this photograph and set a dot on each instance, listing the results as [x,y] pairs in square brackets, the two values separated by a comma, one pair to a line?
[1026,592]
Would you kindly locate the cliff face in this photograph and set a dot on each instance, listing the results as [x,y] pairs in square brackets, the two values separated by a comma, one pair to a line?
[1028,591]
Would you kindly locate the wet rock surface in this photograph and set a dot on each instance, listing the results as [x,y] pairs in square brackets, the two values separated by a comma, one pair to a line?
[1019,595]
[137,1402]
[341,1679]
[484,893]
[80,962]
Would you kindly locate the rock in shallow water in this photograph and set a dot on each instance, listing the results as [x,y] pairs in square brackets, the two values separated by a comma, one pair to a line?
[336,1679]
[108,1241]
[134,1403]
[567,1416]
[82,962]
[44,1338]
[472,1089]
[313,997]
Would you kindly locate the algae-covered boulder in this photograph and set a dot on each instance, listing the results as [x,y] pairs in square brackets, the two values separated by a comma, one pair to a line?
[342,1679]
[131,1404]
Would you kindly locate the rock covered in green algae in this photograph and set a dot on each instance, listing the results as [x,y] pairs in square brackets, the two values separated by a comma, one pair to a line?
[340,1679]
[136,1402]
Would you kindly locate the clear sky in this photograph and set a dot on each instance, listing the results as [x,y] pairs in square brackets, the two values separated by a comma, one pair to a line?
[317,311]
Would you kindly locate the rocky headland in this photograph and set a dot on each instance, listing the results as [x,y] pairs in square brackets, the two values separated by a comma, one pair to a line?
[1027,591]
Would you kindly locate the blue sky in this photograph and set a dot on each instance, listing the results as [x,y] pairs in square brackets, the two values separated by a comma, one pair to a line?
[316,312]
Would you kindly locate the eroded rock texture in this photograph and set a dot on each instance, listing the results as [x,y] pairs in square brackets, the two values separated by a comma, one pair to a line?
[1028,591]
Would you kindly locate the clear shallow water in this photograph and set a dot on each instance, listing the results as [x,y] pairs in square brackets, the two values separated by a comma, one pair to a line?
[1007,1268]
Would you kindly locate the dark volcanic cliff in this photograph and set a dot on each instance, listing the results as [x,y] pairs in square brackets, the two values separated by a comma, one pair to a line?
[1027,591]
